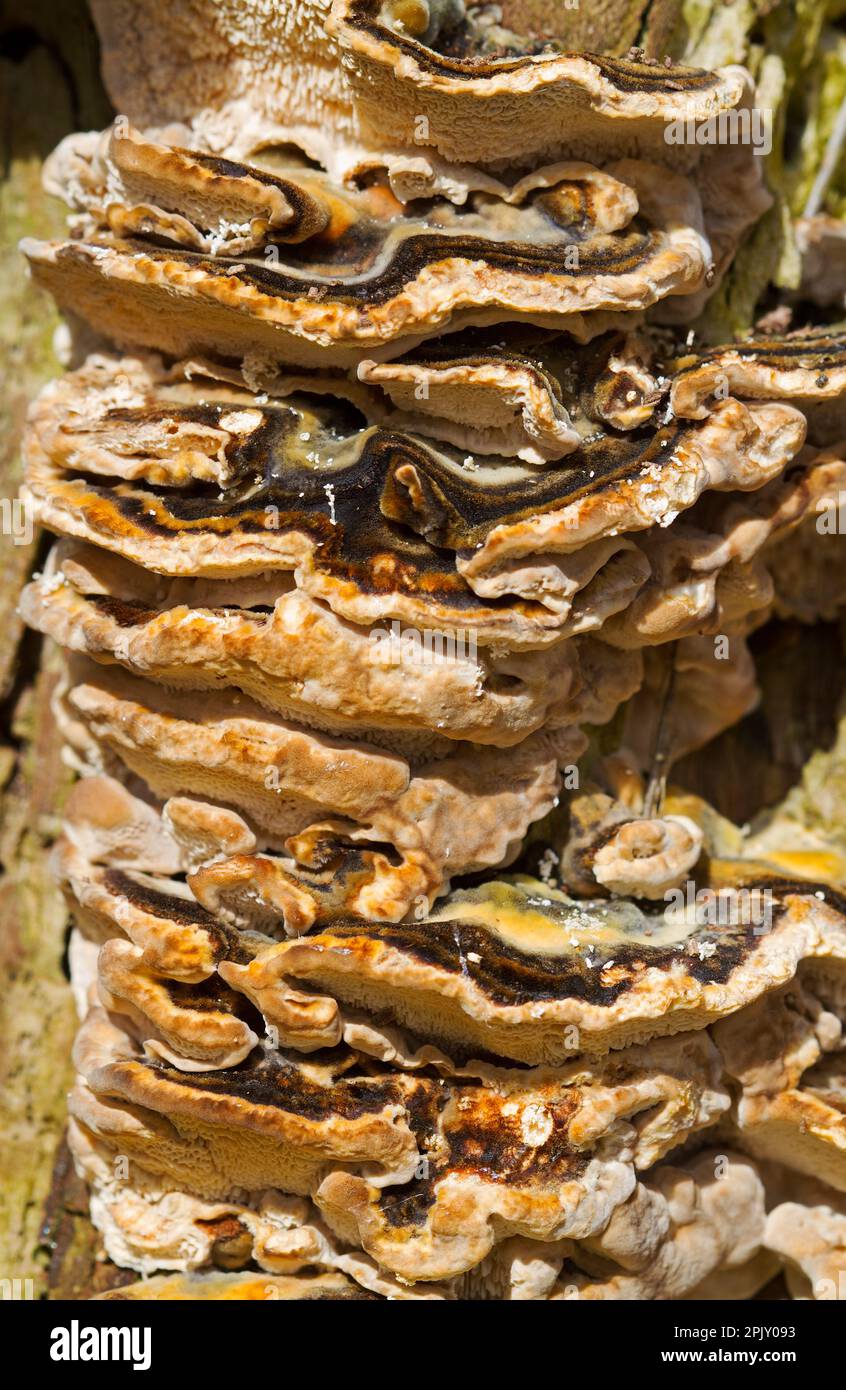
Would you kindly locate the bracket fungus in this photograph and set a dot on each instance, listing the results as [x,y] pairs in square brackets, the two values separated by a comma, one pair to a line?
[413,522]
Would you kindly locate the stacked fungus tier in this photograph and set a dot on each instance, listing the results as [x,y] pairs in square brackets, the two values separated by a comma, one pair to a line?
[404,539]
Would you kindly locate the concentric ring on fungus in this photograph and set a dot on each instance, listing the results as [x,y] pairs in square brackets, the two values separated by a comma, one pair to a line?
[367,519]
[295,657]
[513,393]
[426,819]
[491,107]
[678,1234]
[807,368]
[578,255]
[285,80]
[543,966]
[348,1138]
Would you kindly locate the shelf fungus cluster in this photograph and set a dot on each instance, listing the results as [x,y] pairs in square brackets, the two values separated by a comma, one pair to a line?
[405,537]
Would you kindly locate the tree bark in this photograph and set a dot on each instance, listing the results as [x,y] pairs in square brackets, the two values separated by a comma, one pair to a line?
[49,85]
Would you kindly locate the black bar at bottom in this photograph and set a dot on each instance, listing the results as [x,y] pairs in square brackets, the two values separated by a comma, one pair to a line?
[360,1338]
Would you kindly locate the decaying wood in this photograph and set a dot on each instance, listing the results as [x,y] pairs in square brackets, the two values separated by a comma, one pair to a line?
[802,676]
[49,85]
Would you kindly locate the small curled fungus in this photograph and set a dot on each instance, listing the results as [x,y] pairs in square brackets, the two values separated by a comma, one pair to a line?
[645,858]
